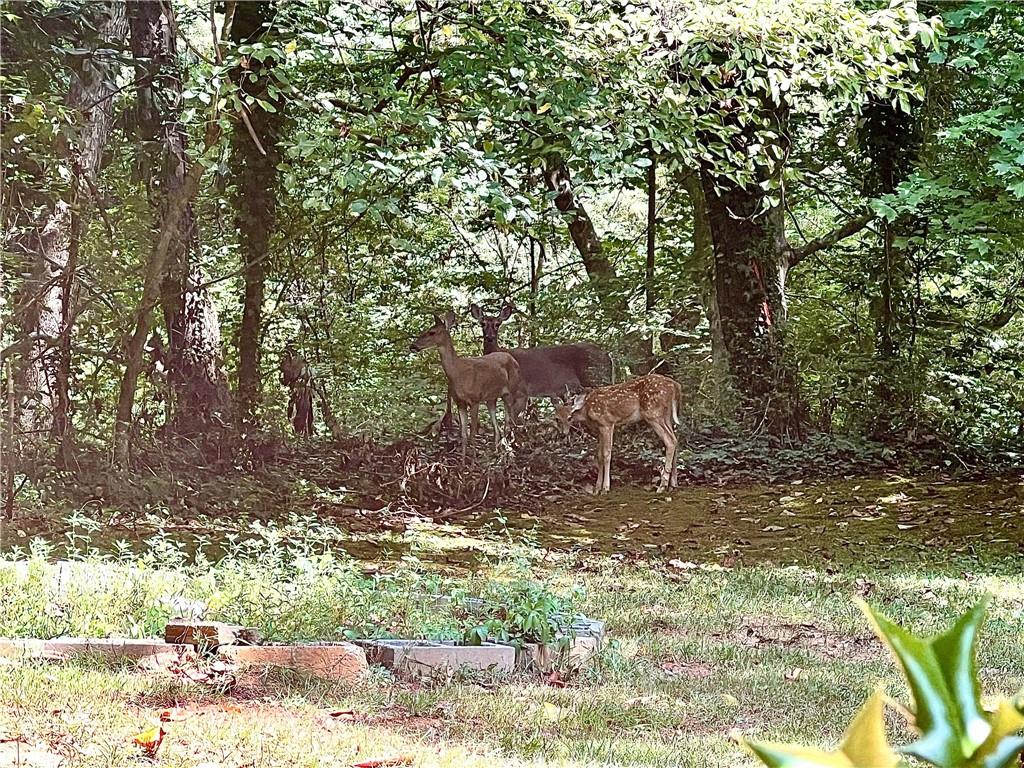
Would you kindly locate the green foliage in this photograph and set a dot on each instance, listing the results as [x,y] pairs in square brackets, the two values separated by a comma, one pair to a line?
[275,578]
[955,731]
[412,178]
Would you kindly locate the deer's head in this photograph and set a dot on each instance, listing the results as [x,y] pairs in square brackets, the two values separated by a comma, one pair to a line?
[491,324]
[569,412]
[437,335]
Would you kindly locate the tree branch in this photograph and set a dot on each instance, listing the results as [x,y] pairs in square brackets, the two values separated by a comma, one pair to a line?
[852,227]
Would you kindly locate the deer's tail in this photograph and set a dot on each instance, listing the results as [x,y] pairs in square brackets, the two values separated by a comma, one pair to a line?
[677,401]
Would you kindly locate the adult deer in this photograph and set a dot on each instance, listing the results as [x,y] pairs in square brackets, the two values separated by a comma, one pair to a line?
[653,398]
[551,371]
[475,380]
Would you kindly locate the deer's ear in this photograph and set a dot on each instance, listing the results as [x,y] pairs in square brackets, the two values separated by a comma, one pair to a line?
[449,319]
[577,403]
[506,312]
[475,311]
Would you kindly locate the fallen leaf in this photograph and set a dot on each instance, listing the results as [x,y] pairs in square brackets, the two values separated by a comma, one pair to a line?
[342,714]
[731,700]
[794,674]
[172,714]
[553,713]
[555,680]
[385,762]
[150,740]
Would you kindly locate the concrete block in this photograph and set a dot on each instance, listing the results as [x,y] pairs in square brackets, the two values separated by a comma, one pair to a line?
[575,646]
[69,647]
[208,634]
[343,662]
[421,657]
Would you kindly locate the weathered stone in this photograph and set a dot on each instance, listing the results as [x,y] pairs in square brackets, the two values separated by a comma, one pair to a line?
[575,646]
[343,662]
[419,657]
[206,634]
[68,647]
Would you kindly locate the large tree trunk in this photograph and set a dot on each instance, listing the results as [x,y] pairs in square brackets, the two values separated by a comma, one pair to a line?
[46,305]
[751,258]
[254,159]
[197,386]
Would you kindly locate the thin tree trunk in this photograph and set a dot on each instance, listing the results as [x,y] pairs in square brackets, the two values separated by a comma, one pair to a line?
[198,389]
[704,257]
[45,308]
[607,285]
[254,159]
[155,266]
[892,139]
[652,244]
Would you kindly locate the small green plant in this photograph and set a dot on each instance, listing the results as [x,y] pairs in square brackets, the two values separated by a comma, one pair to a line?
[522,612]
[955,731]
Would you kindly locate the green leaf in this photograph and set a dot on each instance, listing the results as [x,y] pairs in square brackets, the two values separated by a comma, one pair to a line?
[864,745]
[1001,748]
[942,677]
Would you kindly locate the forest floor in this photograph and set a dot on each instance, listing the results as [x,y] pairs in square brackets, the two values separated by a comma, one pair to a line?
[729,604]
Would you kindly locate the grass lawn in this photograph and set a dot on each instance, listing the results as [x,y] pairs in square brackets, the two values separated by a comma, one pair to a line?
[702,653]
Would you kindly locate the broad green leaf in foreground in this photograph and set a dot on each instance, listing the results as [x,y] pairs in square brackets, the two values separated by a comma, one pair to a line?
[864,746]
[941,672]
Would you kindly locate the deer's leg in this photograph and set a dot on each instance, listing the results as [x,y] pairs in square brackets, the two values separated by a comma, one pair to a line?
[474,415]
[493,408]
[463,427]
[668,437]
[608,459]
[604,458]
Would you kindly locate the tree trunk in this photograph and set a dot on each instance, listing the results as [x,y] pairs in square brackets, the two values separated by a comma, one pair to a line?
[197,386]
[46,305]
[607,285]
[652,244]
[704,258]
[254,160]
[155,266]
[892,139]
[751,263]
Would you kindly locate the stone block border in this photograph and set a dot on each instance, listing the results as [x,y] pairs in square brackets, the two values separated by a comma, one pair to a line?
[423,657]
[346,662]
[341,662]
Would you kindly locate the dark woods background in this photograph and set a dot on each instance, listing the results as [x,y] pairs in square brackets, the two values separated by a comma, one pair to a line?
[219,221]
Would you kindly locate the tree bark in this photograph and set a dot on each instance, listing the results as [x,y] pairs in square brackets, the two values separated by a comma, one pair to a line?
[198,390]
[751,263]
[704,261]
[46,305]
[254,166]
[652,244]
[155,266]
[892,139]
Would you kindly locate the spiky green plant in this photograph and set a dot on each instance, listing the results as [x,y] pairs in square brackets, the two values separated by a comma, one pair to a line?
[955,731]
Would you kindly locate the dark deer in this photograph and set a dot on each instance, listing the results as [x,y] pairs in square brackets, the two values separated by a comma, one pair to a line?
[652,398]
[475,380]
[554,371]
